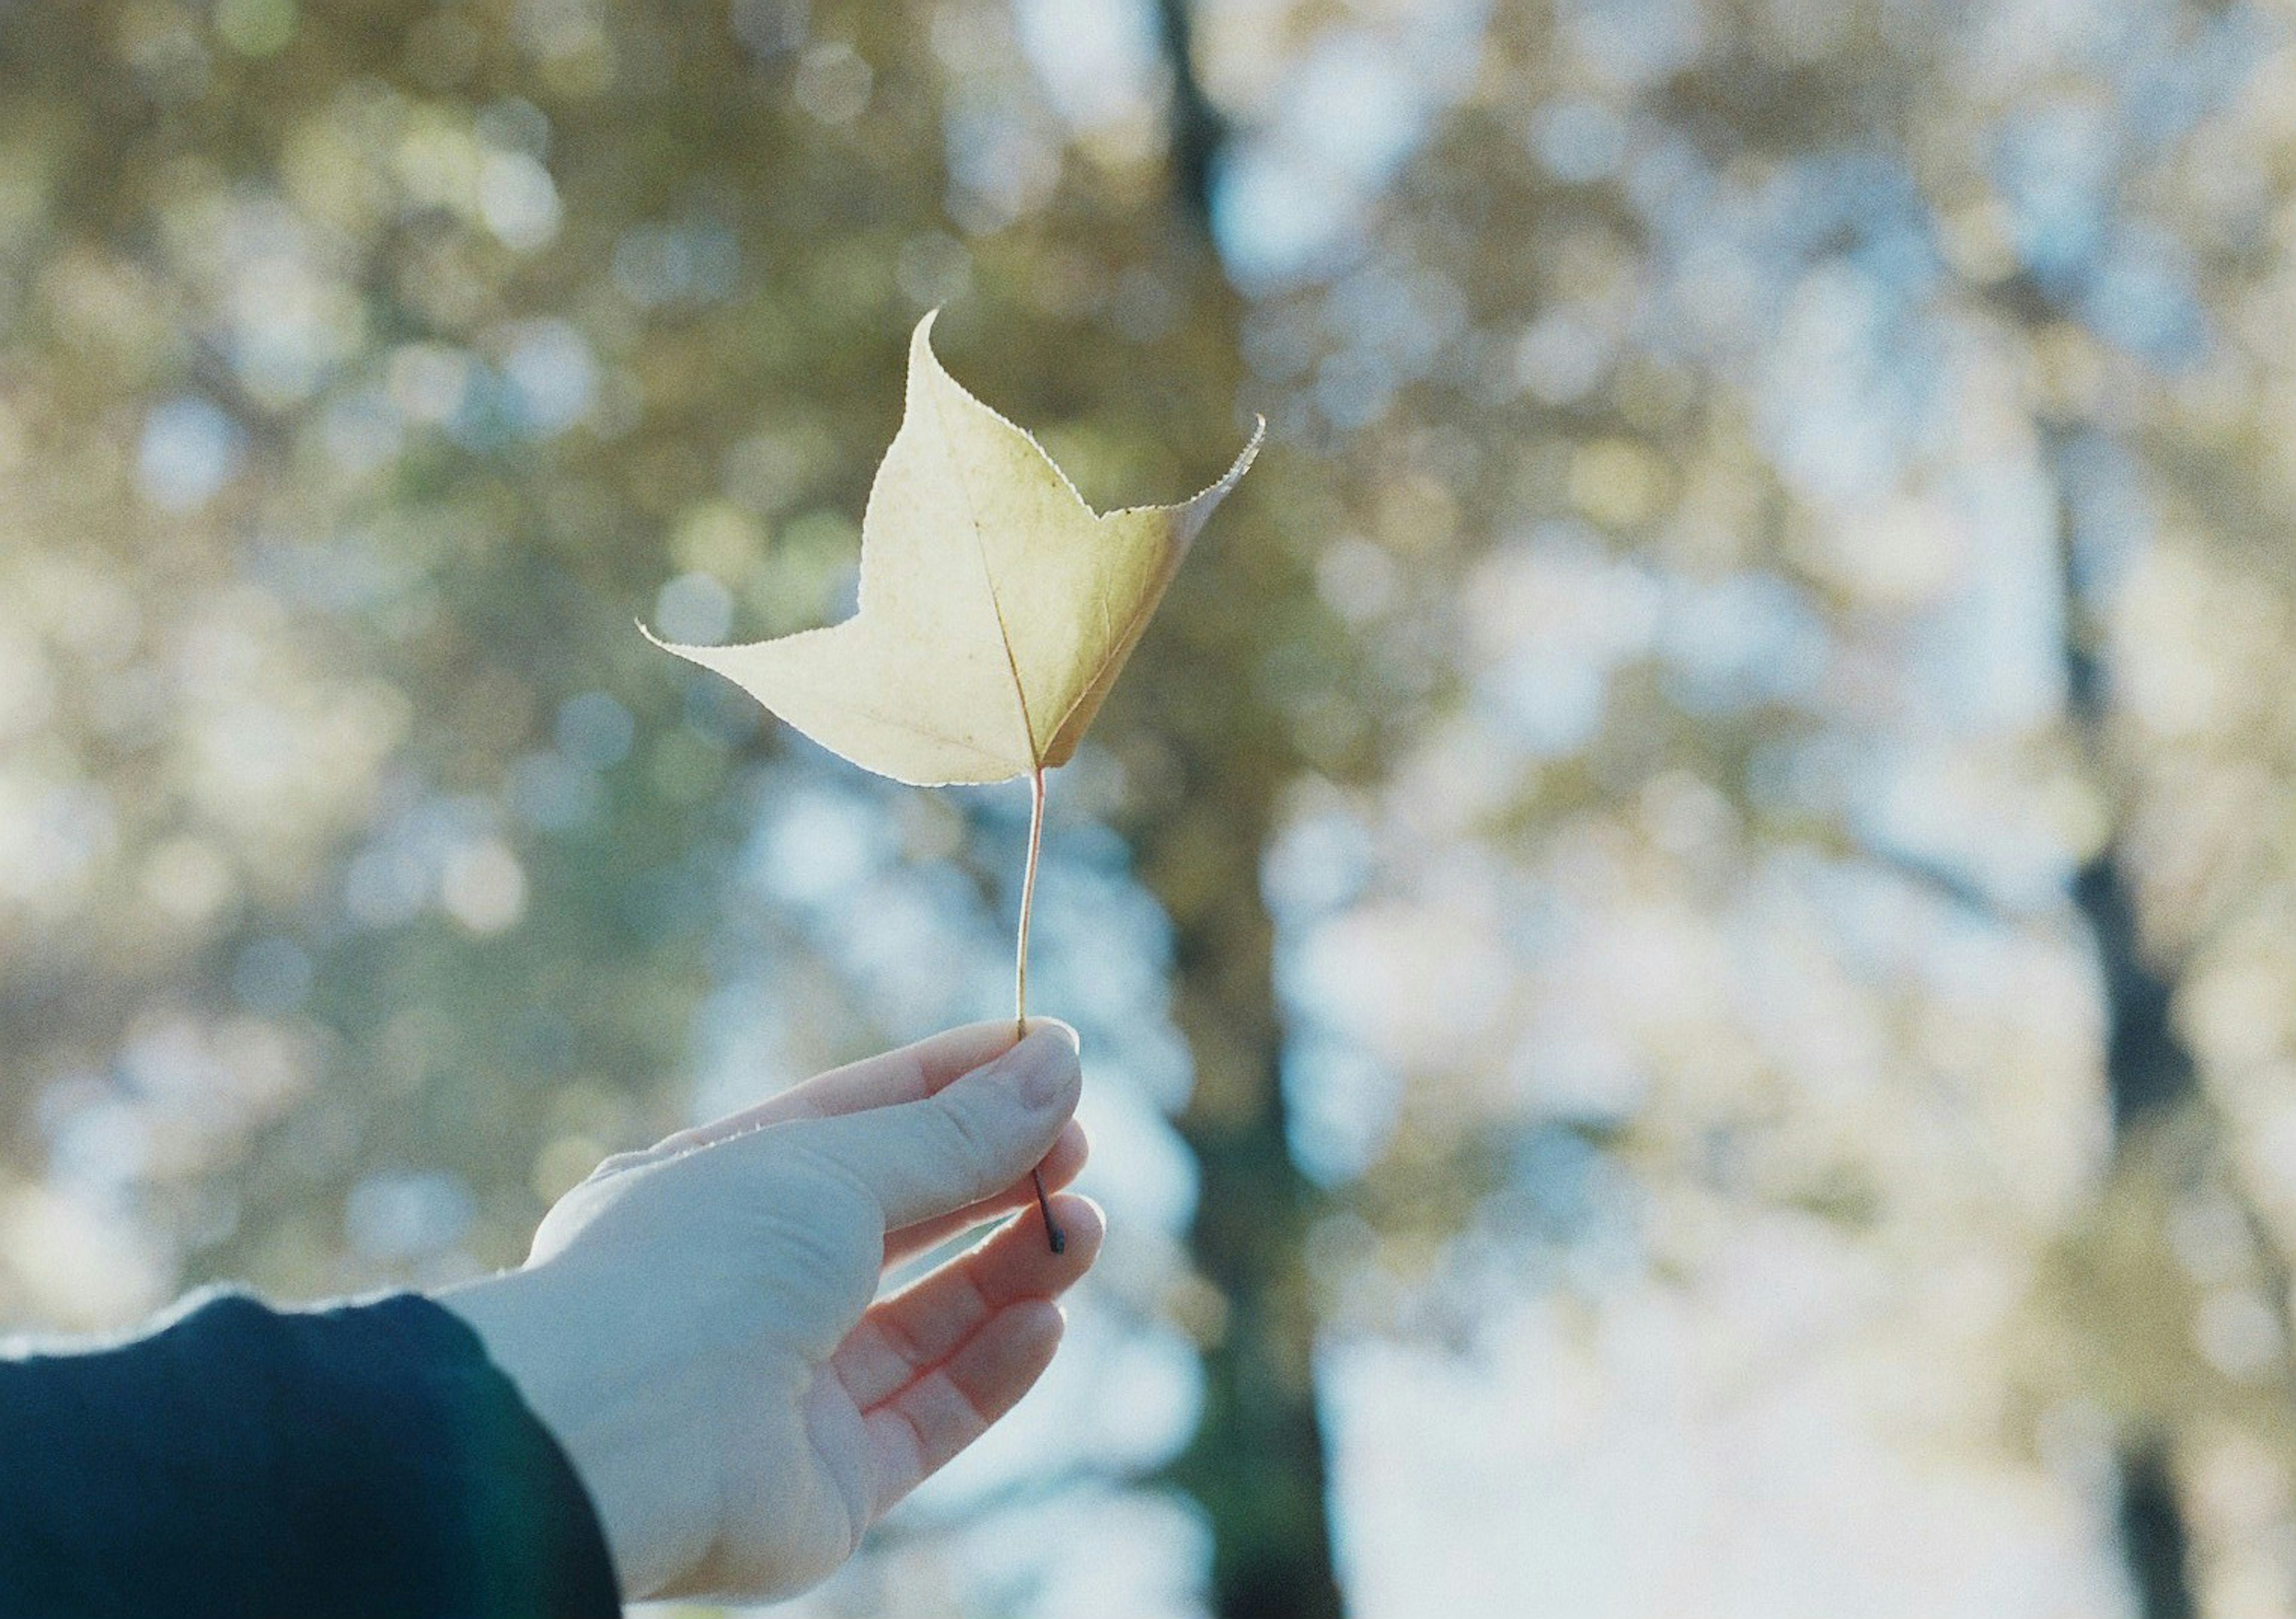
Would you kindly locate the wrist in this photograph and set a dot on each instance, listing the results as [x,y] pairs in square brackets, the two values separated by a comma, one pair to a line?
[533,1338]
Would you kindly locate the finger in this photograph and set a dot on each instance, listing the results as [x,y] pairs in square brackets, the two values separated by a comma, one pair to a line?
[968,1141]
[907,1336]
[917,1433]
[907,1074]
[1063,1164]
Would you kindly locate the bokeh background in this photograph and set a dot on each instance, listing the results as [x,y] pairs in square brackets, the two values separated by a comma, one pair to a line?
[1685,927]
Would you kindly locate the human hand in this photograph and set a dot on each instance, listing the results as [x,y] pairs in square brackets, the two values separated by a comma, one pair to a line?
[695,1323]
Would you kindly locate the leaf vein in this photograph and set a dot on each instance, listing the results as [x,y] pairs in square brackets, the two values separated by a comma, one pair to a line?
[989,578]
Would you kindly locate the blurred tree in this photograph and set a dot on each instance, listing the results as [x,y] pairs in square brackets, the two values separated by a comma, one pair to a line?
[428,342]
[1730,412]
[1745,713]
[1217,699]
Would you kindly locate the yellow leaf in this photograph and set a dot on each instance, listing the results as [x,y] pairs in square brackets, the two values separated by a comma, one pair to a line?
[997,607]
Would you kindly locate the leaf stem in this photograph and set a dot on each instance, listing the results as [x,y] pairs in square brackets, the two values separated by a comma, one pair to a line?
[1028,902]
[1054,1236]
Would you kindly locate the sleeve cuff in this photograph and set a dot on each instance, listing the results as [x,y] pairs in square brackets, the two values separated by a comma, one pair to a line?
[365,1461]
[517,1532]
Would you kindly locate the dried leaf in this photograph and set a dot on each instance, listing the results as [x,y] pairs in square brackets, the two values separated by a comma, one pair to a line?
[997,607]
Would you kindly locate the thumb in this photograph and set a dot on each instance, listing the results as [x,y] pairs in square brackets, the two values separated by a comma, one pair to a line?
[969,1140]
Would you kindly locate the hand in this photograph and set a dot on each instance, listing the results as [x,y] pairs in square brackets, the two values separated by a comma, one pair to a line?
[695,1323]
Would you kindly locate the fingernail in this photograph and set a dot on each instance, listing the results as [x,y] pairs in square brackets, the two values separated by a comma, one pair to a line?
[1038,1068]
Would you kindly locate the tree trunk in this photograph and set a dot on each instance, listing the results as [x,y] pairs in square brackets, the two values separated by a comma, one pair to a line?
[1255,1463]
[2153,1533]
[2149,1075]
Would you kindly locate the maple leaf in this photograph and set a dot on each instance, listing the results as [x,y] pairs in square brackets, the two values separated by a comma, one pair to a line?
[996,608]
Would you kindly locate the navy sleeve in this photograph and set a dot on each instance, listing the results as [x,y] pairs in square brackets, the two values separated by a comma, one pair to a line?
[366,1460]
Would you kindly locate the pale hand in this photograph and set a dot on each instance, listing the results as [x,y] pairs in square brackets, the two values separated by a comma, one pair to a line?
[696,1324]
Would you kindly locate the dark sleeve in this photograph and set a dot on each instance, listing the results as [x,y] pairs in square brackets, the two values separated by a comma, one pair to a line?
[364,1460]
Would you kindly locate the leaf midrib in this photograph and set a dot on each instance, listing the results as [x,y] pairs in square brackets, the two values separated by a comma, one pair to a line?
[987,574]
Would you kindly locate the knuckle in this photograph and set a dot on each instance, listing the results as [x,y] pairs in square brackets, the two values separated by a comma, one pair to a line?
[972,1138]
[619,1163]
[830,1183]
[843,1254]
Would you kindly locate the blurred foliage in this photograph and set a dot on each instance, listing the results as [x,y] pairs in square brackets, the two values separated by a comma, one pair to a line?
[1723,805]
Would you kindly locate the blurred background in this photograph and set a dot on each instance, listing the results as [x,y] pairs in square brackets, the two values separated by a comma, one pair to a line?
[1685,927]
